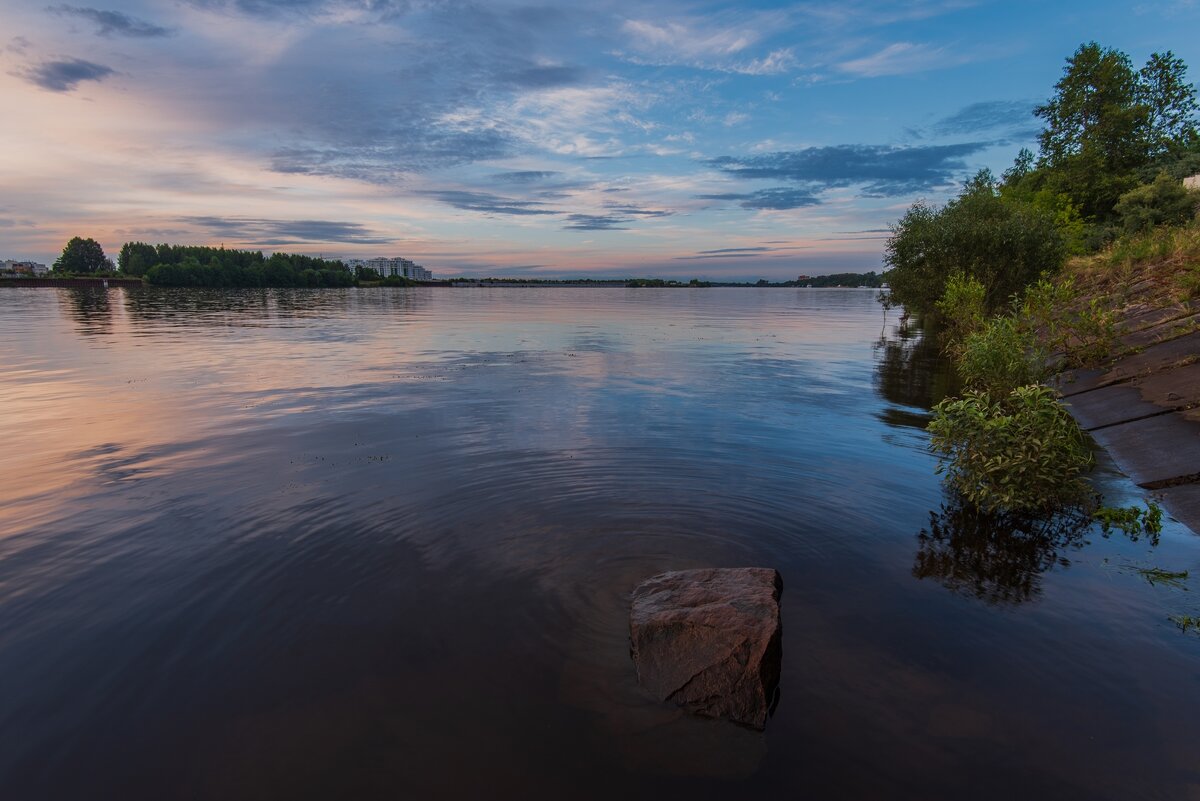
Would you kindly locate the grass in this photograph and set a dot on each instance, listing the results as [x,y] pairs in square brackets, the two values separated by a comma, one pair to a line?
[1167,578]
[1167,259]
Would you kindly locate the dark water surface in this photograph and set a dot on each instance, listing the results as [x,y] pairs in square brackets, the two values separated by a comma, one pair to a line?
[379,543]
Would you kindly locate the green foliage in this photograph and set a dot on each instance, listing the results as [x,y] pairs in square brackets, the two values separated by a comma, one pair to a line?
[1084,332]
[1030,187]
[82,256]
[1156,575]
[1002,245]
[1022,453]
[1107,122]
[136,258]
[1133,521]
[1170,103]
[1188,282]
[1163,202]
[1186,623]
[1001,356]
[186,265]
[871,279]
[963,307]
[636,283]
[1000,353]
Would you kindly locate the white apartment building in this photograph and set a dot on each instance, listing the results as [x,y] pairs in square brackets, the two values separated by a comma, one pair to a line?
[404,268]
[26,267]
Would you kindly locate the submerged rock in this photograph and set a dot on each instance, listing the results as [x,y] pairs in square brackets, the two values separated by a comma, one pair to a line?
[710,640]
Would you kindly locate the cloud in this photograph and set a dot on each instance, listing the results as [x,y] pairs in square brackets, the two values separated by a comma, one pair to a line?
[488,203]
[113,23]
[718,42]
[776,199]
[738,253]
[274,9]
[451,87]
[987,116]
[882,170]
[405,145]
[543,77]
[18,45]
[688,38]
[65,75]
[524,176]
[596,222]
[268,233]
[773,63]
[637,211]
[900,58]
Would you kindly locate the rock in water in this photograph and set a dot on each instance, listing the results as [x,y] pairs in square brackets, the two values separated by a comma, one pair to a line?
[710,640]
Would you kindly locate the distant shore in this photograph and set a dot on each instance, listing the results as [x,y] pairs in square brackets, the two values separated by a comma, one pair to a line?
[102,282]
[70,282]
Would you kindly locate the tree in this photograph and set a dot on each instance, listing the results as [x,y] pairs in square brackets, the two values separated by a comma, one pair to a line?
[1095,108]
[1170,102]
[1095,134]
[1002,245]
[136,258]
[1107,123]
[82,256]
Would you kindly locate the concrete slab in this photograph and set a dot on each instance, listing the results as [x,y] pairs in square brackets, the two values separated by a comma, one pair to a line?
[1110,405]
[1178,388]
[1170,329]
[1183,504]
[1072,382]
[1155,357]
[1152,317]
[1155,450]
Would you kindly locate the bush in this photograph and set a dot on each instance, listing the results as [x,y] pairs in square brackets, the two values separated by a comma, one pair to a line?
[1163,202]
[1023,453]
[1002,245]
[1054,313]
[1000,356]
[963,307]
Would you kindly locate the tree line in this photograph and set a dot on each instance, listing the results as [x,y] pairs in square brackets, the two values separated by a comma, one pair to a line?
[195,265]
[1116,142]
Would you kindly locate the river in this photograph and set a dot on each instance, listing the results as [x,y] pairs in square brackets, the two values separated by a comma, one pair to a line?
[378,543]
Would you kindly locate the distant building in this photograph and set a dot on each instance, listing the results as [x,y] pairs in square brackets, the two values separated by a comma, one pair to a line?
[23,267]
[405,268]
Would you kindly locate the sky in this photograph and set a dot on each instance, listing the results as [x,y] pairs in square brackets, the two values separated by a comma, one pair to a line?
[555,139]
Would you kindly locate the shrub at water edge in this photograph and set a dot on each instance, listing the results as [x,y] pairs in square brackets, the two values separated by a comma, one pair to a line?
[1020,453]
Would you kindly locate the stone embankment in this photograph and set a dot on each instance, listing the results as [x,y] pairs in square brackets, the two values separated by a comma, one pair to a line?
[1144,406]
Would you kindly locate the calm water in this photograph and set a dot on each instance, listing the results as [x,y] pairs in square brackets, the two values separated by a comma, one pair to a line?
[378,544]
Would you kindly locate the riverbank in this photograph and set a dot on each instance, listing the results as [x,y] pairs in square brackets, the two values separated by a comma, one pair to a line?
[24,283]
[1143,404]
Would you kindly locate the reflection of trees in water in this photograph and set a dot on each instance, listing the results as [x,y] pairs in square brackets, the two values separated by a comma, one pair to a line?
[253,306]
[911,371]
[90,308]
[998,559]
[154,303]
